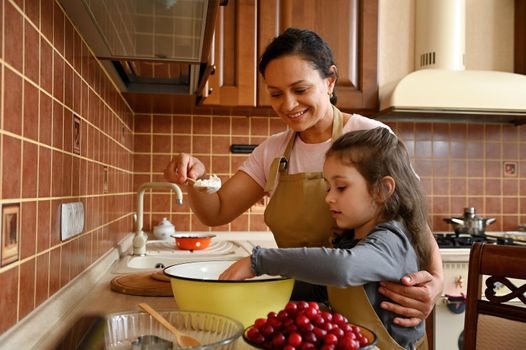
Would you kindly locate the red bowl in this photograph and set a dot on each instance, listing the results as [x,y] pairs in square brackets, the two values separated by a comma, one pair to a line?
[192,241]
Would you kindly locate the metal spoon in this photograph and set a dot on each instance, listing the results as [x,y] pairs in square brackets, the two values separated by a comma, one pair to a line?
[182,339]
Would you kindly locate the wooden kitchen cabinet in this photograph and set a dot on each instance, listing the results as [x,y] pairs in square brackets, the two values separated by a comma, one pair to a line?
[350,27]
[234,56]
[245,27]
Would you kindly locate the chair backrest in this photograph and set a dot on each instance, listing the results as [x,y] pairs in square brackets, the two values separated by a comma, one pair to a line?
[491,322]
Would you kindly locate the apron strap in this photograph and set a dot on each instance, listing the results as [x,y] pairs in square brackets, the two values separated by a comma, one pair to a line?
[337,123]
[280,164]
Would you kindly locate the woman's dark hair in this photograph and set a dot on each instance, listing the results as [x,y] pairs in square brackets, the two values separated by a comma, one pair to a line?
[377,153]
[305,43]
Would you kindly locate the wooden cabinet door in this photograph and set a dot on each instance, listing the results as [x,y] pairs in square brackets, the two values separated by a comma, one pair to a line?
[234,56]
[350,27]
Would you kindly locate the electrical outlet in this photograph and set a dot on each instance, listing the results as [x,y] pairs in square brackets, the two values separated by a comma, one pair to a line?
[72,220]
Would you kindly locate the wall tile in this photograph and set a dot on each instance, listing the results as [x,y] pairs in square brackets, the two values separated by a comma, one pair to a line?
[220,145]
[42,278]
[161,143]
[43,224]
[259,126]
[27,292]
[28,230]
[58,76]
[31,102]
[58,28]
[46,16]
[11,167]
[45,119]
[29,170]
[182,124]
[31,52]
[220,126]
[14,26]
[201,144]
[162,125]
[8,298]
[32,10]
[240,126]
[201,125]
[46,65]
[12,102]
[44,170]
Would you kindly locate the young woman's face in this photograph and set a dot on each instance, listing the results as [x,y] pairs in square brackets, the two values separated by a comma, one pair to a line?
[350,202]
[298,93]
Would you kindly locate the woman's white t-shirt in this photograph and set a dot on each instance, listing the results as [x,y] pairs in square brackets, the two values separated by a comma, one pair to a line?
[305,157]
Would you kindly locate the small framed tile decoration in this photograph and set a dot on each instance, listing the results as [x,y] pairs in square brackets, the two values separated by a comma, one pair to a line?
[10,232]
[76,134]
[510,169]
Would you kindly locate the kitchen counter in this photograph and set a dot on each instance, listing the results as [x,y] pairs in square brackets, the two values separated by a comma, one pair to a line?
[87,295]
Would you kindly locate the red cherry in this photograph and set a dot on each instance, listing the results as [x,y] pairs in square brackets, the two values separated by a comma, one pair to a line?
[278,341]
[260,322]
[338,332]
[330,339]
[310,337]
[288,347]
[338,318]
[311,312]
[327,347]
[283,315]
[348,344]
[295,339]
[327,316]
[363,341]
[267,331]
[319,332]
[307,346]
[313,304]
[302,321]
[291,307]
[272,314]
[302,305]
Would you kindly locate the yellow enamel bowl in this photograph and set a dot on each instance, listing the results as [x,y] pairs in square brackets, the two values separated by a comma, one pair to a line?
[196,287]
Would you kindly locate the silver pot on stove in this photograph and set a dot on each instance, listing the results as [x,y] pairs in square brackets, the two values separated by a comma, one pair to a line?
[470,223]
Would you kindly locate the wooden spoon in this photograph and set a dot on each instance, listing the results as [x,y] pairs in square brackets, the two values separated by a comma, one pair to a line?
[182,339]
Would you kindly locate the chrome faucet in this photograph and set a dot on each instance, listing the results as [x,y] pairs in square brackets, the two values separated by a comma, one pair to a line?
[139,241]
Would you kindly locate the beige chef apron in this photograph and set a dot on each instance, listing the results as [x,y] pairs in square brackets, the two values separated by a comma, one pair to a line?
[353,303]
[297,213]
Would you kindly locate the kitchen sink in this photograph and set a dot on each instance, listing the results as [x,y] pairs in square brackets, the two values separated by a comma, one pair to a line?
[163,253]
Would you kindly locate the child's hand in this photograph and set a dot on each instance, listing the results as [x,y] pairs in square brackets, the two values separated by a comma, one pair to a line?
[240,270]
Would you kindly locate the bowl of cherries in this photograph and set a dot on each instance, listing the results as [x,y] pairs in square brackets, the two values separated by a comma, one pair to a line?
[303,325]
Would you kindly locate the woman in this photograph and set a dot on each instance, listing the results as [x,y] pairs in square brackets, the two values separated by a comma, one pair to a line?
[376,197]
[299,70]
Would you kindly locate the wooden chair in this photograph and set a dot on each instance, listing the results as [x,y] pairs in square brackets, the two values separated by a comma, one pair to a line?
[491,322]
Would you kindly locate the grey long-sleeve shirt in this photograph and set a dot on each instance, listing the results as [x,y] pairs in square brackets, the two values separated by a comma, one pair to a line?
[386,254]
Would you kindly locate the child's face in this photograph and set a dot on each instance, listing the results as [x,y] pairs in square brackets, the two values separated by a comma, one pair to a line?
[350,202]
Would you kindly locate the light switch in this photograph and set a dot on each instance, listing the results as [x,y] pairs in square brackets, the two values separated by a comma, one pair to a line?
[72,220]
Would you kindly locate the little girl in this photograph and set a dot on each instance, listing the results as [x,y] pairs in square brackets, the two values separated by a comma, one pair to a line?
[376,198]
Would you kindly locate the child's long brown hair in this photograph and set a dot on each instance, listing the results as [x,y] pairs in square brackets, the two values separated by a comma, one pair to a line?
[377,153]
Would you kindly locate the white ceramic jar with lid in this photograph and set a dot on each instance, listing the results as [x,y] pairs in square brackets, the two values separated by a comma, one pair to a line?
[164,230]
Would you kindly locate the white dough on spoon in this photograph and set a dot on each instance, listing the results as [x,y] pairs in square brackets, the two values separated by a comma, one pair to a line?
[210,185]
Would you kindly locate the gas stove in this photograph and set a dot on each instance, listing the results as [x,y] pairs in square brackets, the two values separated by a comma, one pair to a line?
[448,240]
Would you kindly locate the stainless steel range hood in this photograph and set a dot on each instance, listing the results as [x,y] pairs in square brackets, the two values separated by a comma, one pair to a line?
[441,88]
[152,49]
